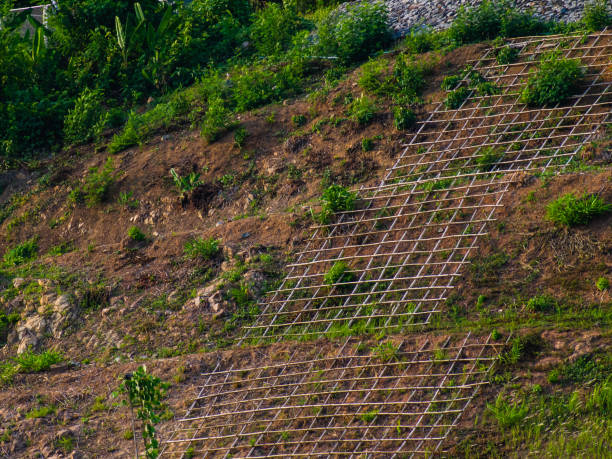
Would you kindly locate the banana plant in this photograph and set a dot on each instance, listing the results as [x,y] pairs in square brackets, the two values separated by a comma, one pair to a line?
[124,40]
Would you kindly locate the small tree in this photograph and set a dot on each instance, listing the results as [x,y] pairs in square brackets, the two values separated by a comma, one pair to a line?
[144,392]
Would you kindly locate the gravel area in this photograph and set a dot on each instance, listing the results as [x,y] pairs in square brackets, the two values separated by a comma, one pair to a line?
[406,14]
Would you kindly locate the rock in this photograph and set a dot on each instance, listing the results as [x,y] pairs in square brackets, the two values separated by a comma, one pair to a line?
[19,282]
[48,299]
[28,341]
[228,252]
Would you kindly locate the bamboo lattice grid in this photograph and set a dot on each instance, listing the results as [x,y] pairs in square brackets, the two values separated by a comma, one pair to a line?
[411,235]
[405,245]
[335,401]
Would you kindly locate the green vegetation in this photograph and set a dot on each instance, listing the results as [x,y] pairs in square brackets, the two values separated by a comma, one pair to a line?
[554,82]
[602,284]
[355,35]
[597,15]
[488,158]
[7,321]
[491,19]
[506,413]
[32,362]
[569,210]
[95,187]
[369,416]
[334,199]
[403,118]
[361,110]
[41,412]
[136,234]
[506,55]
[21,253]
[144,393]
[542,303]
[455,98]
[339,273]
[206,249]
[186,184]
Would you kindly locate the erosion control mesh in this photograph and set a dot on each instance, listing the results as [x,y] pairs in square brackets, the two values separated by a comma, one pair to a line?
[397,257]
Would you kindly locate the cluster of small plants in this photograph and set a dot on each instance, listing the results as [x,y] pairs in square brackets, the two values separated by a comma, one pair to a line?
[95,187]
[570,210]
[206,249]
[554,82]
[334,199]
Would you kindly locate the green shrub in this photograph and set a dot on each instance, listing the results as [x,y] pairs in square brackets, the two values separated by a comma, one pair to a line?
[597,15]
[569,210]
[506,55]
[136,234]
[362,110]
[80,123]
[555,80]
[403,118]
[450,82]
[541,303]
[32,362]
[490,19]
[602,284]
[374,77]
[216,120]
[355,34]
[96,185]
[410,76]
[21,253]
[455,98]
[202,248]
[339,273]
[274,27]
[338,199]
[334,199]
[423,40]
[186,184]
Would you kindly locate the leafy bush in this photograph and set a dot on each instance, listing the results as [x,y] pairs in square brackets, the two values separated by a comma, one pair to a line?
[94,189]
[338,199]
[83,120]
[186,184]
[506,55]
[32,362]
[240,136]
[423,40]
[541,303]
[339,273]
[555,80]
[136,234]
[410,76]
[569,210]
[217,119]
[490,19]
[373,76]
[356,33]
[450,82]
[21,253]
[403,118]
[202,248]
[367,143]
[362,110]
[597,15]
[274,27]
[602,284]
[455,98]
